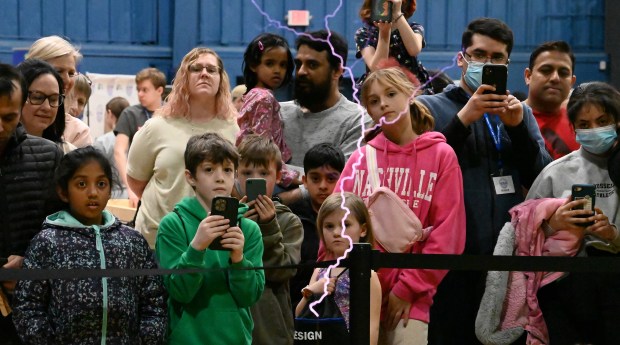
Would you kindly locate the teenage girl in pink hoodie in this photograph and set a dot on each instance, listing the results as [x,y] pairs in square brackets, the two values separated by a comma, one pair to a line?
[420,167]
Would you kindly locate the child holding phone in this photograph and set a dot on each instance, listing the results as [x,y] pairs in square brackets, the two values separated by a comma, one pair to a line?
[282,234]
[127,310]
[400,40]
[212,307]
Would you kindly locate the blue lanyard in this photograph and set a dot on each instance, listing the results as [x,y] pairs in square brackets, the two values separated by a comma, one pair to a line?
[146,113]
[497,140]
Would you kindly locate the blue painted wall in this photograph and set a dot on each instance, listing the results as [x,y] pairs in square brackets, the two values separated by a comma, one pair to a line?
[120,36]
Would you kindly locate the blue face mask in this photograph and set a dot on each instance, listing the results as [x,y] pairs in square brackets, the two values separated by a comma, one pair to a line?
[597,140]
[473,75]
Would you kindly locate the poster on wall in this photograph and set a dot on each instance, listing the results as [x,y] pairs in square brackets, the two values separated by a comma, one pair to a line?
[104,88]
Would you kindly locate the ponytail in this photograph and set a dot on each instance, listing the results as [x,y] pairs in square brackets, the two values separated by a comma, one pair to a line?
[421,119]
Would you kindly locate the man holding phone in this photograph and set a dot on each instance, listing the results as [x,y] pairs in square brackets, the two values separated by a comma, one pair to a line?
[500,150]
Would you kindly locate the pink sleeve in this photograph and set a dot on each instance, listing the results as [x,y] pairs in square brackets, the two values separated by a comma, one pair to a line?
[447,216]
[256,114]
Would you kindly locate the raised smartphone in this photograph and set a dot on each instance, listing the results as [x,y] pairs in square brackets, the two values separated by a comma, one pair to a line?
[495,75]
[255,187]
[228,207]
[381,11]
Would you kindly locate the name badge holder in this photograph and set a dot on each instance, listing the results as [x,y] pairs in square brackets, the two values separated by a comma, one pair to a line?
[503,183]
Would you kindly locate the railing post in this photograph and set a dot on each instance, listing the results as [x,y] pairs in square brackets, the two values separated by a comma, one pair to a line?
[359,298]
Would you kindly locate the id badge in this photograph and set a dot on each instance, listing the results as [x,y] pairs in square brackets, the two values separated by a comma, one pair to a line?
[503,184]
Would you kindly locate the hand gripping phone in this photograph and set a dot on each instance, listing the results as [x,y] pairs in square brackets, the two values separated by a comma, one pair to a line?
[495,75]
[228,207]
[255,187]
[588,192]
[381,11]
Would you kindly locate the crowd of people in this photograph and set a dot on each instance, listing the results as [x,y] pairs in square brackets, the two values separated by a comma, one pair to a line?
[423,166]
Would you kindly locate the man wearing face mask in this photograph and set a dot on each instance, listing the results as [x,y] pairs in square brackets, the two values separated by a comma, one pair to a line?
[500,151]
[585,307]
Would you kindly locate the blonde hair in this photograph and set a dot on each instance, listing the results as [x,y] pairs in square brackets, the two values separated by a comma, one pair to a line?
[358,209]
[421,118]
[177,102]
[51,47]
[238,91]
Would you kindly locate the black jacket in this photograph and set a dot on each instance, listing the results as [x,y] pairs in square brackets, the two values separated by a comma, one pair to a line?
[27,193]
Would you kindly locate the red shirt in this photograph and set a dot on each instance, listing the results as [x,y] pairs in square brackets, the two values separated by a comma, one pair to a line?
[558,134]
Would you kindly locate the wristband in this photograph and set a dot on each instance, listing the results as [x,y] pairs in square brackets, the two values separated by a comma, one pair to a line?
[397,18]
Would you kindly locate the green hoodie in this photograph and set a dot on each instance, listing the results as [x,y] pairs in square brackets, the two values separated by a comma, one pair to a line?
[211,307]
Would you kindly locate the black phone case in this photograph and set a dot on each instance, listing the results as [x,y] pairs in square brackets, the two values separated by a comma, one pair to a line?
[255,187]
[584,191]
[380,12]
[495,75]
[224,206]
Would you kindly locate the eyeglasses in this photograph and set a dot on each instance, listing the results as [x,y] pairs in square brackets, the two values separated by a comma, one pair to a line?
[499,59]
[197,68]
[37,98]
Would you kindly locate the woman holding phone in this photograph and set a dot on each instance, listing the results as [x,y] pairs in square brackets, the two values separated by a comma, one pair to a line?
[585,307]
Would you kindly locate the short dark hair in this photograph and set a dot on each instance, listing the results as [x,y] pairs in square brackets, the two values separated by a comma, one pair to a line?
[155,76]
[317,40]
[596,93]
[258,150]
[116,105]
[32,69]
[254,54]
[491,27]
[8,75]
[557,46]
[209,147]
[324,154]
[76,159]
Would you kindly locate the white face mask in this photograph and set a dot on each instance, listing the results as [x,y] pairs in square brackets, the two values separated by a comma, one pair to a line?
[597,140]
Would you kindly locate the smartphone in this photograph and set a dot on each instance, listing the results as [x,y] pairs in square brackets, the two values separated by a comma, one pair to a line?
[495,75]
[3,261]
[226,206]
[381,11]
[588,192]
[255,187]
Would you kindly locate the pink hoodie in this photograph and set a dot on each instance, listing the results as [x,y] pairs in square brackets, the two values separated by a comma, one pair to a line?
[428,168]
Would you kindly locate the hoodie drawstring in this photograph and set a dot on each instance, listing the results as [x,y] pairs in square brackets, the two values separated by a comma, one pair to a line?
[104,283]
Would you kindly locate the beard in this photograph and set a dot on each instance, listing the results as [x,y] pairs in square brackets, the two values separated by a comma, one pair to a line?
[309,94]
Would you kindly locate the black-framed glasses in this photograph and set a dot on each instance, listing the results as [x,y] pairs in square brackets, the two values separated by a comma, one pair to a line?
[197,68]
[499,59]
[37,98]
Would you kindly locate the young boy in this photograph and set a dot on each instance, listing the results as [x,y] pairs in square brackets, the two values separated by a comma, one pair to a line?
[81,92]
[150,83]
[105,143]
[323,164]
[282,236]
[211,307]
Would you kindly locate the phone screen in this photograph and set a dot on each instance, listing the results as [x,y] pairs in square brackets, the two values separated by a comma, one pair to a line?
[228,207]
[381,11]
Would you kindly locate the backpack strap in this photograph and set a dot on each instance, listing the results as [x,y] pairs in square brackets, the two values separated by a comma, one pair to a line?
[371,167]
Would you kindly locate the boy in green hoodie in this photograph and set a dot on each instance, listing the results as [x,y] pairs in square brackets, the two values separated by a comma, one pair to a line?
[282,235]
[211,307]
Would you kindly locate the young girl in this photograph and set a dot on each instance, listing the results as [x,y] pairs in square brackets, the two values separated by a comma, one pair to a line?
[421,168]
[267,65]
[359,228]
[400,40]
[128,310]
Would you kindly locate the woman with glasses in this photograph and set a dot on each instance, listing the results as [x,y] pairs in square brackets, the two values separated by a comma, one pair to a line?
[199,102]
[64,57]
[43,114]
